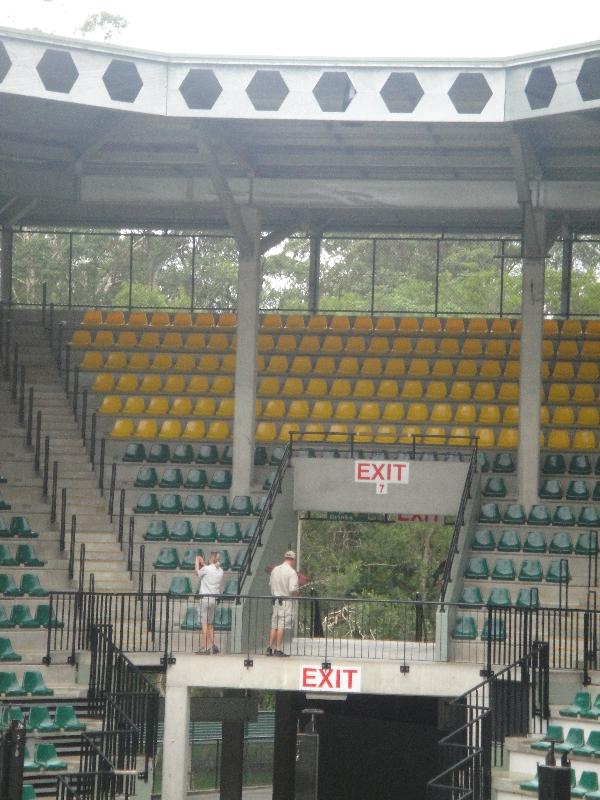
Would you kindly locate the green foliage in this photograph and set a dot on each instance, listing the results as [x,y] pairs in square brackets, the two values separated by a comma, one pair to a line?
[103,24]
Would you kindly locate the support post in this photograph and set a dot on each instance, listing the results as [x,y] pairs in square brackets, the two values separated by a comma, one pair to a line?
[314,270]
[567,270]
[6,264]
[232,760]
[176,744]
[284,746]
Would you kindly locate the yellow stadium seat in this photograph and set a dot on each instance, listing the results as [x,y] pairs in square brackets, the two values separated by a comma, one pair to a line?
[550,327]
[408,325]
[588,417]
[511,415]
[563,371]
[114,319]
[133,405]
[93,360]
[425,347]
[313,432]
[402,346]
[146,429]
[432,325]
[584,440]
[317,322]
[228,363]
[508,393]
[592,327]
[103,340]
[387,389]
[278,365]
[345,410]
[286,343]
[340,387]
[174,384]
[477,327]
[316,387]
[127,340]
[371,367]
[547,349]
[459,437]
[567,349]
[226,407]
[298,409]
[204,319]
[332,344]
[588,371]
[92,317]
[436,390]
[182,319]
[364,388]
[490,369]
[289,430]
[309,344]
[465,413]
[460,390]
[563,415]
[197,384]
[348,366]
[338,432]
[221,384]
[274,409]
[571,327]
[394,367]
[171,341]
[386,434]
[322,409]
[512,370]
[485,392]
[112,405]
[369,412]
[301,365]
[558,439]
[162,362]
[150,384]
[218,342]
[544,415]
[442,368]
[122,429]
[271,322]
[363,324]
[363,434]
[485,437]
[386,325]
[590,350]
[495,348]
[435,434]
[160,319]
[227,320]
[195,341]
[195,430]
[378,346]
[417,412]
[355,344]
[295,322]
[508,439]
[489,415]
[204,407]
[559,393]
[393,412]
[103,382]
[514,351]
[138,362]
[501,327]
[137,319]
[268,387]
[218,430]
[455,326]
[81,339]
[412,390]
[441,412]
[583,393]
[340,324]
[448,347]
[466,369]
[157,407]
[185,362]
[116,361]
[472,348]
[408,435]
[418,367]
[180,407]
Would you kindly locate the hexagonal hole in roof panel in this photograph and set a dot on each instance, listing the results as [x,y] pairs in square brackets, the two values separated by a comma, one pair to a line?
[5,62]
[588,80]
[540,87]
[122,81]
[57,71]
[470,93]
[402,92]
[200,88]
[334,91]
[267,90]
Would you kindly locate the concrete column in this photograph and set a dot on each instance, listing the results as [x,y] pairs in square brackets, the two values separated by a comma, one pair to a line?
[249,284]
[176,748]
[567,270]
[6,260]
[232,761]
[314,271]
[284,746]
[530,382]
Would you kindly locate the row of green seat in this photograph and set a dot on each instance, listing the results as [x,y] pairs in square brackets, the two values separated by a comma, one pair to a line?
[206,531]
[18,526]
[39,718]
[529,570]
[44,757]
[574,742]
[215,504]
[32,683]
[582,707]
[183,453]
[535,542]
[515,514]
[173,478]
[182,586]
[586,786]
[499,597]
[222,620]
[25,556]
[555,464]
[168,558]
[30,585]
[465,628]
[21,617]
[578,489]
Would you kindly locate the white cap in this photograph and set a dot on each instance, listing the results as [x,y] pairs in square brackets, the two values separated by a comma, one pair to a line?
[290,554]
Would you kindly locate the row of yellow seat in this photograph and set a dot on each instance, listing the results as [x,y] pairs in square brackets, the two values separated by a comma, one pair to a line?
[105,382]
[152,340]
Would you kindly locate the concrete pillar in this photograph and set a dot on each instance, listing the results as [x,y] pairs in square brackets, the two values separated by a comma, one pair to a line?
[530,382]
[232,761]
[284,746]
[176,748]
[567,270]
[6,260]
[249,284]
[314,271]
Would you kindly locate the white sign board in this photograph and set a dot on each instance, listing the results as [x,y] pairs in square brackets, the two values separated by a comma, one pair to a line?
[315,678]
[381,473]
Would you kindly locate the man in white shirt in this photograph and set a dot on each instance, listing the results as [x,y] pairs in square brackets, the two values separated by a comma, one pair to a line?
[211,584]
[283,584]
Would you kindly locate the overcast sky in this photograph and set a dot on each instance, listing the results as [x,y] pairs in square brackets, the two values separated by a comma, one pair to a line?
[372,28]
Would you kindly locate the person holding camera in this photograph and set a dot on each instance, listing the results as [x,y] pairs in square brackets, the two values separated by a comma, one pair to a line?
[284,584]
[211,584]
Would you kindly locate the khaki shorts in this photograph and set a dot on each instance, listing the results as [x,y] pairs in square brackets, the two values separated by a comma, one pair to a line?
[283,614]
[207,610]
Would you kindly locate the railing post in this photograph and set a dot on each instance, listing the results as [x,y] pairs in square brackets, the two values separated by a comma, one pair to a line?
[130,546]
[111,493]
[67,368]
[44,303]
[29,438]
[7,350]
[84,396]
[15,373]
[38,437]
[72,547]
[63,520]
[141,569]
[81,566]
[54,492]
[46,466]
[102,459]
[93,442]
[121,517]
[22,396]
[75,390]
[51,331]
[61,328]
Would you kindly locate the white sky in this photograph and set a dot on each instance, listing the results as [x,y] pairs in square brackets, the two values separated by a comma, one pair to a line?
[353,28]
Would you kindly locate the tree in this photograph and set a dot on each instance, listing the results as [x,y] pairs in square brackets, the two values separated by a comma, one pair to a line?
[103,24]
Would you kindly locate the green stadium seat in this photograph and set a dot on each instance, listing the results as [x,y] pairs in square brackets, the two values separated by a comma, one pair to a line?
[167,559]
[43,619]
[225,560]
[510,541]
[3,478]
[499,598]
[528,598]
[561,544]
[134,452]
[47,758]
[535,542]
[514,514]
[194,504]
[6,650]
[238,561]
[66,719]
[28,792]
[580,465]
[259,505]
[489,513]
[574,738]
[539,515]
[5,532]
[19,526]
[504,570]
[4,504]
[531,570]
[157,531]
[241,506]
[596,492]
[29,764]
[591,747]
[503,462]
[8,586]
[195,479]
[483,462]
[180,586]
[471,596]
[30,584]
[554,733]
[191,620]
[39,720]
[260,456]
[483,540]
[6,557]
[494,632]
[222,621]
[9,685]
[181,531]
[581,702]
[248,533]
[189,557]
[227,456]
[159,453]
[231,587]
[11,714]
[593,712]
[35,685]
[268,481]
[578,490]
[477,568]
[551,489]
[221,480]
[146,478]
[147,503]
[206,532]
[587,785]
[464,628]
[217,505]
[230,532]
[5,621]
[277,454]
[494,487]
[207,454]
[558,572]
[171,504]
[563,515]
[588,517]
[27,557]
[587,543]
[554,464]
[171,478]
[183,453]
[20,617]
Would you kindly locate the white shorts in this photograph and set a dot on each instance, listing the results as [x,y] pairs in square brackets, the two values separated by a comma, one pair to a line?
[283,614]
[207,610]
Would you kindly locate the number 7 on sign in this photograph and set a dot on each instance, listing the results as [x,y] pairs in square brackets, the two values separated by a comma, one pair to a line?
[381,487]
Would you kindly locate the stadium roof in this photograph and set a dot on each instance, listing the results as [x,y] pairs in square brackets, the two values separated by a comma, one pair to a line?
[99,135]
